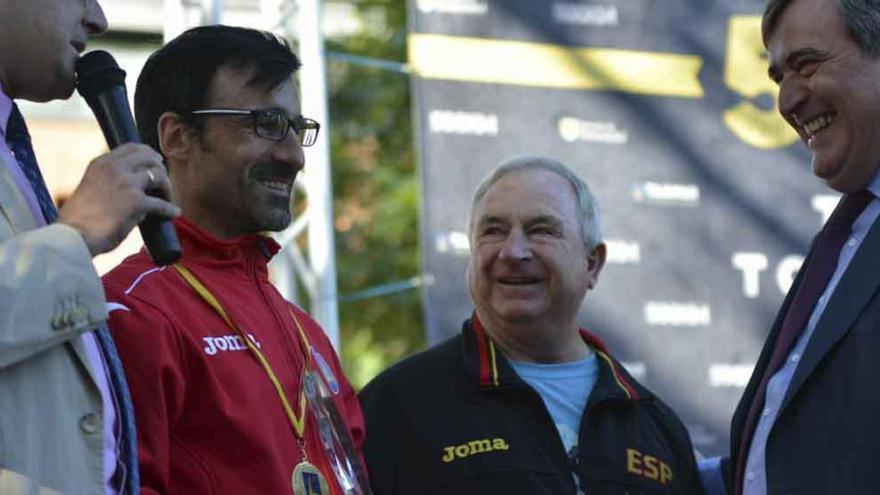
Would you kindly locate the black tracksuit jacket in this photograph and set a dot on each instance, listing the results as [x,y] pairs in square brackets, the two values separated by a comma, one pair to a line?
[457,419]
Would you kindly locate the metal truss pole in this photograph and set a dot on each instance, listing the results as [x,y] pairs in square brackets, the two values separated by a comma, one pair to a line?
[212,12]
[319,276]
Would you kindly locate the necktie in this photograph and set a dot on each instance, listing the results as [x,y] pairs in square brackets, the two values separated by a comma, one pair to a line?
[19,141]
[818,270]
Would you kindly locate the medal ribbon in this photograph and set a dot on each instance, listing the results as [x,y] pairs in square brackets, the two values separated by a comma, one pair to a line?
[298,421]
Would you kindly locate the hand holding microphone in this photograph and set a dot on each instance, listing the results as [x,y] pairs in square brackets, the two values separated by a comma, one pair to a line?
[127,186]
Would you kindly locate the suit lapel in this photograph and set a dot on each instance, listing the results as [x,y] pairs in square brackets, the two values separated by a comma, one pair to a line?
[742,409]
[858,285]
[15,211]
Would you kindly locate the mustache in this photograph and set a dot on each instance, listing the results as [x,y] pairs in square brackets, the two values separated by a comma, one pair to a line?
[272,170]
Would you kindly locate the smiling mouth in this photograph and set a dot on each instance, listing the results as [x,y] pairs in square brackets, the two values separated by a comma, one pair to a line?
[520,281]
[817,125]
[279,186]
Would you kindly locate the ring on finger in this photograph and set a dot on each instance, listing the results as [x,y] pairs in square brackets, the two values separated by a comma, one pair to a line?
[151,177]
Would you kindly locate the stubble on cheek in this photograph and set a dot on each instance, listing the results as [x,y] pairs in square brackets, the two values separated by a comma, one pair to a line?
[269,211]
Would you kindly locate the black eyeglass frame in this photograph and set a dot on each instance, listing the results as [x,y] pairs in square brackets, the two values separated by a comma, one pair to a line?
[298,124]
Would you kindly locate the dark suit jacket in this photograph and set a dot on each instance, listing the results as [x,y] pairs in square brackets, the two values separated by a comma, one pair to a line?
[826,438]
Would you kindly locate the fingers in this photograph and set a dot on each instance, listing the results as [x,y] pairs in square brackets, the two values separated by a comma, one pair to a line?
[154,180]
[147,173]
[143,166]
[117,191]
[158,206]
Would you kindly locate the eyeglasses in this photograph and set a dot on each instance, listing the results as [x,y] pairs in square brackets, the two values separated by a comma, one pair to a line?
[272,124]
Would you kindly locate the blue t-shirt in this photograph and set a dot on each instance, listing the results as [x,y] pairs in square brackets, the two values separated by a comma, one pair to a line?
[565,388]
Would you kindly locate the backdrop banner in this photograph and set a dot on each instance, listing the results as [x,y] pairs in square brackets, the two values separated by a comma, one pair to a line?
[665,109]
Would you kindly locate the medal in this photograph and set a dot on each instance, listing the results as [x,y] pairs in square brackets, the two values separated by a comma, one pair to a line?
[308,480]
[344,463]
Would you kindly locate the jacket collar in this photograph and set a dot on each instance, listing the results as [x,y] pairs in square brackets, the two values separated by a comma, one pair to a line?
[487,366]
[201,248]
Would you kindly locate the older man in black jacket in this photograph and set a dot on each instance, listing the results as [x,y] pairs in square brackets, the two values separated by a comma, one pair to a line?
[524,401]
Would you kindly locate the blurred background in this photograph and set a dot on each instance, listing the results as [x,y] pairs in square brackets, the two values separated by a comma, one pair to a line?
[664,107]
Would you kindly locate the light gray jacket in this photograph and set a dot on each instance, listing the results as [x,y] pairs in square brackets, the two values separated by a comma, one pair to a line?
[51,419]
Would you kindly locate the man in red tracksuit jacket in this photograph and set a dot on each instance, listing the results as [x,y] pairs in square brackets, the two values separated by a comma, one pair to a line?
[235,389]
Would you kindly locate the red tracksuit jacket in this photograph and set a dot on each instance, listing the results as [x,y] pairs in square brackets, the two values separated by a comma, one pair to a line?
[209,420]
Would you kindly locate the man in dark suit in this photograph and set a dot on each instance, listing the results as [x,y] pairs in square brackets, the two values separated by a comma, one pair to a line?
[65,421]
[808,421]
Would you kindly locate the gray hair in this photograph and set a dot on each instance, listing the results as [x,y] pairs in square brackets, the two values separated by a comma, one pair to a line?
[588,210]
[862,18]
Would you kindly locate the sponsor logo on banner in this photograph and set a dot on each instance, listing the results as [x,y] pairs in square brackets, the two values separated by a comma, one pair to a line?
[622,252]
[787,270]
[572,130]
[586,14]
[752,264]
[724,375]
[677,314]
[464,123]
[466,7]
[326,372]
[666,193]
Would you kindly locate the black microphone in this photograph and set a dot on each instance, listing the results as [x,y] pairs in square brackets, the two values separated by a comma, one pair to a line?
[101,83]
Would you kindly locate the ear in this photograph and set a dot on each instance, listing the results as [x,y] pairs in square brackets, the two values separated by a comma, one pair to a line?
[595,262]
[176,137]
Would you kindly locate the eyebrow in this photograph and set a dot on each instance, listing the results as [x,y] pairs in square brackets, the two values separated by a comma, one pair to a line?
[489,220]
[276,109]
[547,219]
[775,73]
[550,220]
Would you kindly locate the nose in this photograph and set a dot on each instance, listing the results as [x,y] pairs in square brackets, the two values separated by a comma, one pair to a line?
[517,247]
[792,95]
[290,152]
[94,20]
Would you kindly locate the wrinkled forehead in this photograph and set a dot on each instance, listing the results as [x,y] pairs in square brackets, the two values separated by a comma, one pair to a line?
[527,194]
[804,27]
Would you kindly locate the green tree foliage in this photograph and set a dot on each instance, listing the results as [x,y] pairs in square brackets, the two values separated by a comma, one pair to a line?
[376,193]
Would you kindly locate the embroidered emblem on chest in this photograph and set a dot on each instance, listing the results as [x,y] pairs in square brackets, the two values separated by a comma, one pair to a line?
[648,466]
[473,447]
[226,343]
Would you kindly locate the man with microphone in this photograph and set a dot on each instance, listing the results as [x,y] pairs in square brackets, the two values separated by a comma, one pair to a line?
[65,417]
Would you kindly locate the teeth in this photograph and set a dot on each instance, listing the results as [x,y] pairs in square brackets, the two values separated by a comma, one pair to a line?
[276,184]
[814,126]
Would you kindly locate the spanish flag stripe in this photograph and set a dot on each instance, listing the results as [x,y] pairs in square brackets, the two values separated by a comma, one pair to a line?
[621,382]
[494,362]
[480,336]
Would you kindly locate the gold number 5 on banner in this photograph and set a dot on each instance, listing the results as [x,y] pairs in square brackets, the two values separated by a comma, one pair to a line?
[745,71]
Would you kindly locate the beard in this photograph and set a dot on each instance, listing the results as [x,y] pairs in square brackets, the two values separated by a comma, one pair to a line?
[266,208]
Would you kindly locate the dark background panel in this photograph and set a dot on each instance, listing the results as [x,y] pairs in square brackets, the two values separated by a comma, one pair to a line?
[641,155]
[686,26]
